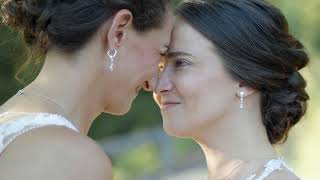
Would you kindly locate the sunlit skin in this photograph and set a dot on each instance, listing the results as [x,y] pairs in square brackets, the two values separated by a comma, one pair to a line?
[199,99]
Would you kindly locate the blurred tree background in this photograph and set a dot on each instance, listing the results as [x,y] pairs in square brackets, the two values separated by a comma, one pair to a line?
[304,140]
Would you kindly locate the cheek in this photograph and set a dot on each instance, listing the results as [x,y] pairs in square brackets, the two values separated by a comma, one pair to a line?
[137,63]
[206,98]
[185,119]
[145,57]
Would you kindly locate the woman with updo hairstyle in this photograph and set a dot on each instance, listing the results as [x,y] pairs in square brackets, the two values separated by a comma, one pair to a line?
[231,82]
[98,55]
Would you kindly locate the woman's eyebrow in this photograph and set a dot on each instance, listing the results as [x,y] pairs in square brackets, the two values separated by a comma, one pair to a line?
[173,54]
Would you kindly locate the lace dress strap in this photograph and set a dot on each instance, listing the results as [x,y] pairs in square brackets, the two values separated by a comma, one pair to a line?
[20,123]
[270,167]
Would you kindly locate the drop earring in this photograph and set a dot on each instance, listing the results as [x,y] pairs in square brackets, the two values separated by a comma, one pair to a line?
[112,54]
[241,99]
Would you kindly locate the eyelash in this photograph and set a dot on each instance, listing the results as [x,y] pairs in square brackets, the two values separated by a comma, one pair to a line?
[177,64]
[180,63]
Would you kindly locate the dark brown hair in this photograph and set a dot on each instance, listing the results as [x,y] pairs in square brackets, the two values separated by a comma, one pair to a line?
[253,38]
[69,24]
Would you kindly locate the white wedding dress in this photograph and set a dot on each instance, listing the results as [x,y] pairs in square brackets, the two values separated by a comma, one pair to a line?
[19,123]
[269,168]
[16,124]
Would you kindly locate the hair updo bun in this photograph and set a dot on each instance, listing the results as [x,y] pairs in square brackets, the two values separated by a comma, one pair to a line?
[284,108]
[252,37]
[31,17]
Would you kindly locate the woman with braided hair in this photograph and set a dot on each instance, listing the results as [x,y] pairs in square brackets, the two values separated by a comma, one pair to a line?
[231,82]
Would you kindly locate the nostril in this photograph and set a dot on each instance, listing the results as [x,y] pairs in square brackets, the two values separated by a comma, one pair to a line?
[146,85]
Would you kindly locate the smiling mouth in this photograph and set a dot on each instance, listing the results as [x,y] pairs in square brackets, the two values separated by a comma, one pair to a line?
[168,105]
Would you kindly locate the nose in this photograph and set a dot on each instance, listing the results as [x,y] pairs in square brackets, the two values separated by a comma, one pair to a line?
[164,82]
[150,85]
[151,82]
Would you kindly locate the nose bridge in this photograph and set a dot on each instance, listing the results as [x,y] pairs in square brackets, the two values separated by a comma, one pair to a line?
[164,82]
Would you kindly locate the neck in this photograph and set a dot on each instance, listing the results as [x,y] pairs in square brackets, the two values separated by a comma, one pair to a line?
[72,83]
[233,141]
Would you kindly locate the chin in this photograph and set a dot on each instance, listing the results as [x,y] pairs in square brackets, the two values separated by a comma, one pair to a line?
[118,111]
[171,130]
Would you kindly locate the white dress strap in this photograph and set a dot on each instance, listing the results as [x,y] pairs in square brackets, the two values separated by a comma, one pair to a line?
[24,122]
[270,167]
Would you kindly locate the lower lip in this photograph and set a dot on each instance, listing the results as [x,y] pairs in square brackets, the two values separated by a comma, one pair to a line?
[168,106]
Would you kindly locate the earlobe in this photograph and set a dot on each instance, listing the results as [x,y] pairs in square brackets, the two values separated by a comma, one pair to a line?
[244,90]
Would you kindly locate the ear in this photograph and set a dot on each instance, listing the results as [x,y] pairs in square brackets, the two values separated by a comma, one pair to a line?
[242,88]
[117,31]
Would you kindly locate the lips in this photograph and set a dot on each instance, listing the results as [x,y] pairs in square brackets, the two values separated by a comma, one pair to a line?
[168,105]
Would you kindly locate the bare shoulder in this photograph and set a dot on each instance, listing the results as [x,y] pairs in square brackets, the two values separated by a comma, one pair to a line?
[282,175]
[54,153]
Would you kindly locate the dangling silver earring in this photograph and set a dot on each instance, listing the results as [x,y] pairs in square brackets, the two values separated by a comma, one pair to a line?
[241,99]
[112,54]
